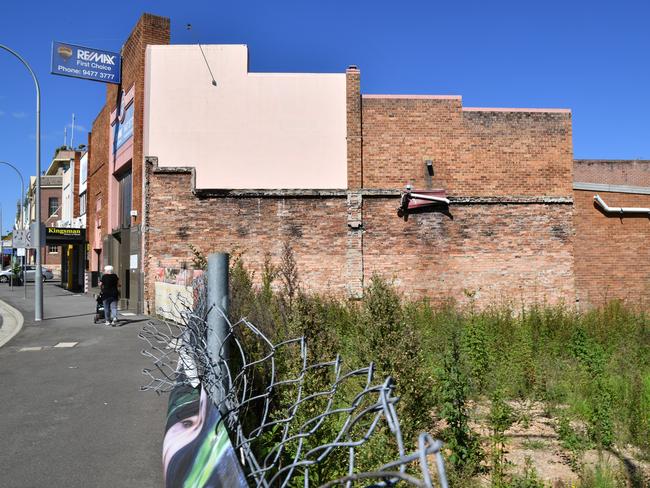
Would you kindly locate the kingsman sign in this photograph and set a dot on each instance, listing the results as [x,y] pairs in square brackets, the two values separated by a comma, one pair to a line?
[85,62]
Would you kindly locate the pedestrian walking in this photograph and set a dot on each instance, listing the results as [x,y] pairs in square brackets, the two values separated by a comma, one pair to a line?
[110,285]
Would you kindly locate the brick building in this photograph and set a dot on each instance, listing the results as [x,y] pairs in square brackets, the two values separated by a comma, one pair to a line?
[612,249]
[250,161]
[115,167]
[51,203]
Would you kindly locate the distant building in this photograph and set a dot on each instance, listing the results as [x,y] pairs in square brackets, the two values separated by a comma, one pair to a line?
[52,203]
[73,216]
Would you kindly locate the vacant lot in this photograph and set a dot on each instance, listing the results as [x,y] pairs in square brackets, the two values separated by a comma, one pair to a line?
[522,396]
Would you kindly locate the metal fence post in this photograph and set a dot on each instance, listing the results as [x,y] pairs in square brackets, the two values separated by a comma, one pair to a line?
[217,324]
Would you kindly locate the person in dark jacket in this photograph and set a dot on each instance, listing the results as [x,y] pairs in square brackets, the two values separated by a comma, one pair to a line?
[110,284]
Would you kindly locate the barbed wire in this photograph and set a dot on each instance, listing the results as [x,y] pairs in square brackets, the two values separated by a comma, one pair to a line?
[286,417]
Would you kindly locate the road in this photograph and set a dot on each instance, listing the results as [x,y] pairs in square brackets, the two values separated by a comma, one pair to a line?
[73,415]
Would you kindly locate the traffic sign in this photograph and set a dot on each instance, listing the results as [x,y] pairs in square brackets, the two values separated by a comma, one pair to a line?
[22,238]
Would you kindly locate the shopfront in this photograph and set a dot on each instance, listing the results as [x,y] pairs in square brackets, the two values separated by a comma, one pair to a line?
[73,254]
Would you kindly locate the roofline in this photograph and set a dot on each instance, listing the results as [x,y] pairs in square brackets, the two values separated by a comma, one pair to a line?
[414,97]
[507,109]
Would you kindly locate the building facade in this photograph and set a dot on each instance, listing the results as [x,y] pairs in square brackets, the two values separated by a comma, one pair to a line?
[73,216]
[115,168]
[253,161]
[612,248]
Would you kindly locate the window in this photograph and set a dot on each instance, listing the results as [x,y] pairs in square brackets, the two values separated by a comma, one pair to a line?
[53,205]
[125,199]
[82,204]
[53,249]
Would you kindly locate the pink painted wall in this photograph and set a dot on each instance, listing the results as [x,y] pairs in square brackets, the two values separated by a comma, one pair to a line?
[252,130]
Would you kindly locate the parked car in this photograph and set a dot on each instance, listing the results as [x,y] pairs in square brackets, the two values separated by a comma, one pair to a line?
[5,275]
[30,271]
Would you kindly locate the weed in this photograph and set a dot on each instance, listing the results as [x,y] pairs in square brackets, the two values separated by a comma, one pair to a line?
[534,444]
[528,479]
[466,454]
[499,420]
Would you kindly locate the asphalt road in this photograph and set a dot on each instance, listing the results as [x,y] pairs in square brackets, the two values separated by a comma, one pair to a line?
[74,416]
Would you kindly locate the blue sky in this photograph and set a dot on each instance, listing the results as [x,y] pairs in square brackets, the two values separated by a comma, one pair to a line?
[592,57]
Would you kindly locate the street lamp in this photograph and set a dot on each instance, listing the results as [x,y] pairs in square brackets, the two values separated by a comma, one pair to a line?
[38,283]
[22,193]
[22,216]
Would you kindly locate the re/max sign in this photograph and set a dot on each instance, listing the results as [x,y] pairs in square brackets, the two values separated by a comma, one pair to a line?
[95,56]
[85,62]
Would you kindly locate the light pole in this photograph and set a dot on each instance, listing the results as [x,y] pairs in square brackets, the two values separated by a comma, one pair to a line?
[22,193]
[38,272]
[22,217]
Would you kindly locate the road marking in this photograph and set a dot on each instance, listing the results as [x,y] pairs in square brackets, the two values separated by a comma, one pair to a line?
[127,314]
[66,344]
[38,348]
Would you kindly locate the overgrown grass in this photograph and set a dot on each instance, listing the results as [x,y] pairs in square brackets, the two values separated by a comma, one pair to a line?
[591,368]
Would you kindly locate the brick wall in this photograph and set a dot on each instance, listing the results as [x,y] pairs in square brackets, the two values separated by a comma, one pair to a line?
[508,234]
[316,228]
[521,253]
[150,29]
[353,121]
[98,157]
[475,152]
[612,253]
[616,172]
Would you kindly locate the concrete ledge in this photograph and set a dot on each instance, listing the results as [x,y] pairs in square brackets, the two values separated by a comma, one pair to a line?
[12,322]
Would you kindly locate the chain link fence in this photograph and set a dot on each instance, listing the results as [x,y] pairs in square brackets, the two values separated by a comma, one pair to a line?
[290,422]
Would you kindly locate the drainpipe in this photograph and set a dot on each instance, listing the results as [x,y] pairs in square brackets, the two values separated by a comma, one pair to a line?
[620,210]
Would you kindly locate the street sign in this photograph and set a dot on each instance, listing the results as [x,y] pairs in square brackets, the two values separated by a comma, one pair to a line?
[22,238]
[85,62]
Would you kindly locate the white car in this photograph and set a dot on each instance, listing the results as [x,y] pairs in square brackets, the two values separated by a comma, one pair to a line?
[30,270]
[5,275]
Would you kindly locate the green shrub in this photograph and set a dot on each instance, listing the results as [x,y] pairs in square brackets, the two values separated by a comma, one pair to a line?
[592,368]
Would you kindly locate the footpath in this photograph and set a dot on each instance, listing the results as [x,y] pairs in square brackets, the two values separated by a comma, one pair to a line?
[71,412]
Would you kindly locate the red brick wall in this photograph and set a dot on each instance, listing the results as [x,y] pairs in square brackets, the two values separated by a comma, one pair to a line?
[150,29]
[316,228]
[474,153]
[493,253]
[98,157]
[520,253]
[353,120]
[628,173]
[612,253]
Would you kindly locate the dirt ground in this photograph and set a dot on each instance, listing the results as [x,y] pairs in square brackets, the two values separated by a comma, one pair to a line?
[533,439]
